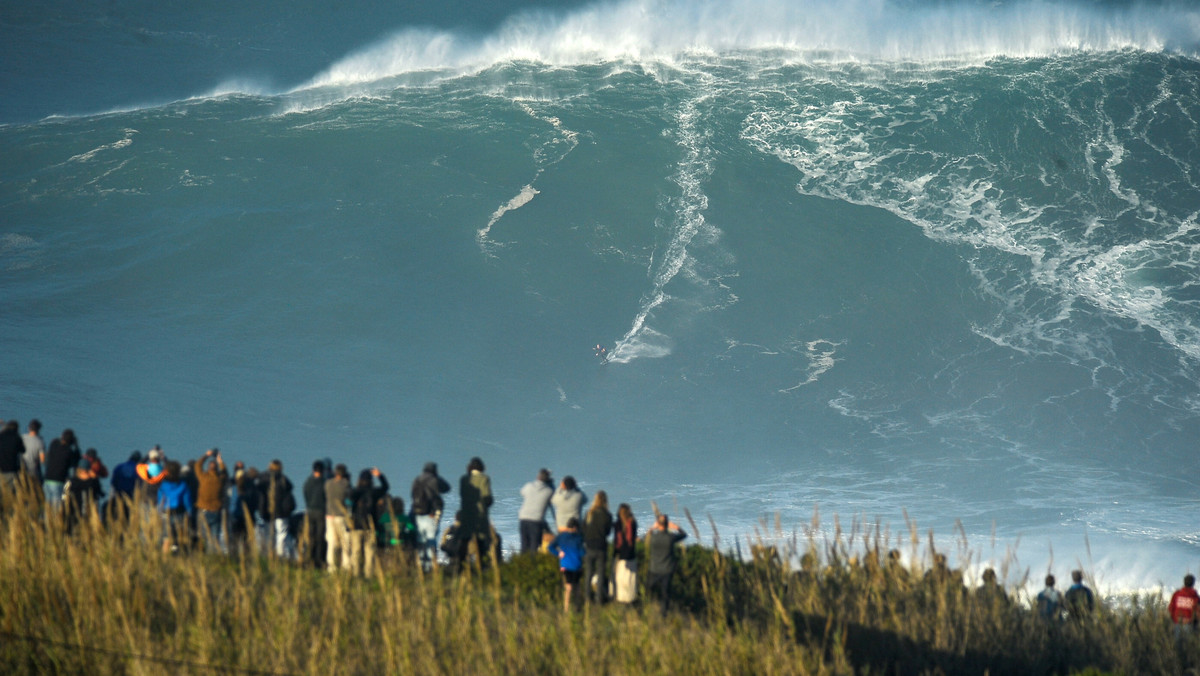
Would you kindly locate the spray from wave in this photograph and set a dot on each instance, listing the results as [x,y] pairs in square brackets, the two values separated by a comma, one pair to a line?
[663,31]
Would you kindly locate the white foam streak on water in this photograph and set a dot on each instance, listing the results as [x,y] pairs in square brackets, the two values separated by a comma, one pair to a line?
[115,145]
[522,198]
[687,221]
[821,358]
[549,153]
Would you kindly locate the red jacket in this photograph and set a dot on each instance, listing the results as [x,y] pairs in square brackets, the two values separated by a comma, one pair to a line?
[1184,605]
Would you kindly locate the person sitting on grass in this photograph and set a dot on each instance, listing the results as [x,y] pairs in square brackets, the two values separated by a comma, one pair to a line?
[568,547]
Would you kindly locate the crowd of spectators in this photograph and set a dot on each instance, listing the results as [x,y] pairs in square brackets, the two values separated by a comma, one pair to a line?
[205,504]
[208,504]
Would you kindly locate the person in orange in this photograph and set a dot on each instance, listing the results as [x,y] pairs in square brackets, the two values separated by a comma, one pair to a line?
[152,473]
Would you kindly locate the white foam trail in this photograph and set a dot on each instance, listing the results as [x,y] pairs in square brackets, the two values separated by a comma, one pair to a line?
[548,154]
[115,145]
[663,31]
[641,340]
[821,358]
[521,199]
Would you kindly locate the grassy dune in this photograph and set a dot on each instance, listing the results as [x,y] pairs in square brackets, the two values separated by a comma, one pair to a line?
[108,601]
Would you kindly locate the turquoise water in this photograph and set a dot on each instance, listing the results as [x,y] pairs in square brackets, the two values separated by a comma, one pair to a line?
[873,257]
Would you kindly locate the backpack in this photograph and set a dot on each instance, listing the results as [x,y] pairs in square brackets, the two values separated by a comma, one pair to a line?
[288,506]
[422,500]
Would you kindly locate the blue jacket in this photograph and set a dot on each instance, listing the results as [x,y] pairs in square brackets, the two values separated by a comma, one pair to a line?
[175,496]
[568,546]
[125,478]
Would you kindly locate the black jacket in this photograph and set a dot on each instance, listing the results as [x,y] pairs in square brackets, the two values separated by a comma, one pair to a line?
[596,527]
[61,460]
[427,490]
[277,500]
[364,501]
[11,450]
[314,494]
[625,540]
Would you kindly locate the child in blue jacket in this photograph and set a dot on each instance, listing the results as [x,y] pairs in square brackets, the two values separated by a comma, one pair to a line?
[568,547]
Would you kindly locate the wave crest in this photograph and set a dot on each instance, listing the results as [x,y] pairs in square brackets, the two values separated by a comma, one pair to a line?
[667,30]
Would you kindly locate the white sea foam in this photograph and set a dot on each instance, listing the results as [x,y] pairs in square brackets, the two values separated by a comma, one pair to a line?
[115,145]
[821,358]
[522,198]
[1121,551]
[684,225]
[548,153]
[662,31]
[842,153]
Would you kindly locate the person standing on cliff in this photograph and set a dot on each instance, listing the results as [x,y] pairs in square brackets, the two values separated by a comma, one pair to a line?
[535,501]
[1184,607]
[364,509]
[660,542]
[596,527]
[276,507]
[427,508]
[625,552]
[568,547]
[1079,599]
[475,488]
[568,502]
[1184,610]
[11,450]
[34,447]
[337,517]
[58,464]
[1050,602]
[314,514]
[211,476]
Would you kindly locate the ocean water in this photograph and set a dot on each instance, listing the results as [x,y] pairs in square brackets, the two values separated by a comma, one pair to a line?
[931,266]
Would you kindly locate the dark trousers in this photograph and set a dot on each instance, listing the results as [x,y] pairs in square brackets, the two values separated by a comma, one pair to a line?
[595,562]
[531,535]
[314,551]
[660,586]
[478,543]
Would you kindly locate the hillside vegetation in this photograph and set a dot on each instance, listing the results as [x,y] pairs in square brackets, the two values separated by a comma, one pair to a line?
[105,599]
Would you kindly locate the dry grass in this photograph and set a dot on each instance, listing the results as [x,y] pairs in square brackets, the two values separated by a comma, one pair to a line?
[106,600]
